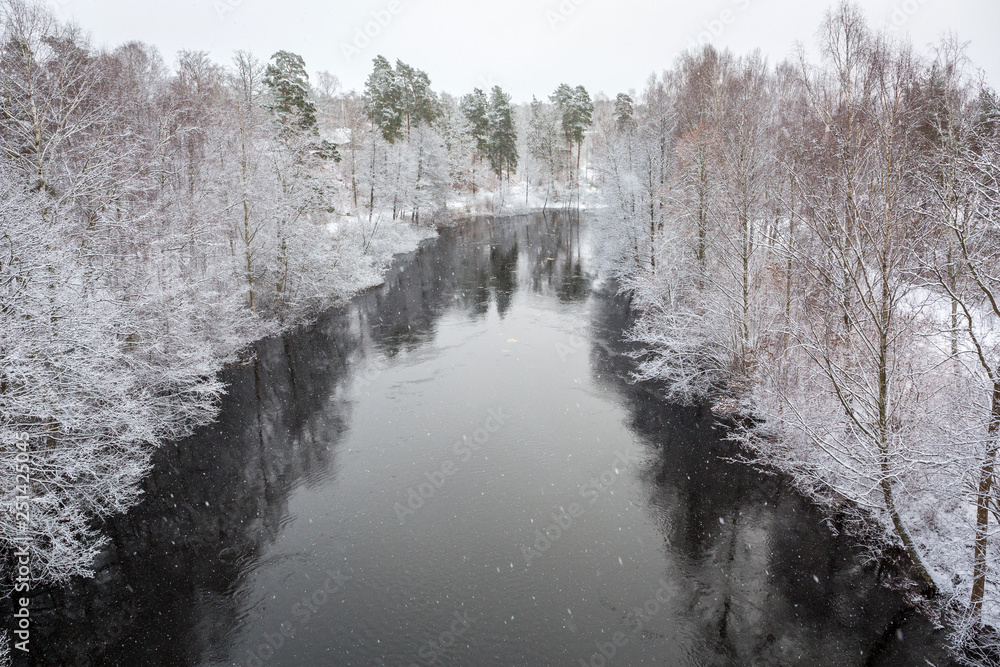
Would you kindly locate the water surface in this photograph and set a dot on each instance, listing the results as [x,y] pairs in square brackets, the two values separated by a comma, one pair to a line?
[454,469]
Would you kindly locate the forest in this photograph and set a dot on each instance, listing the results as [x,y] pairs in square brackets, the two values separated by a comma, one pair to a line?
[812,248]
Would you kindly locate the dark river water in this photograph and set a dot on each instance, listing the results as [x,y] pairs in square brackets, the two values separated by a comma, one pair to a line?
[455,470]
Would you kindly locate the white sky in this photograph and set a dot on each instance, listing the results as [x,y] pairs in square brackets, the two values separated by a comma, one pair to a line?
[526,46]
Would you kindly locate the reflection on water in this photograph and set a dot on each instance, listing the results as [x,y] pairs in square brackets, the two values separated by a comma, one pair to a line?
[455,470]
[765,581]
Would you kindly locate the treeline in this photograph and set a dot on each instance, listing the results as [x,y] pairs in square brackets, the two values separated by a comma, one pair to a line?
[816,245]
[414,151]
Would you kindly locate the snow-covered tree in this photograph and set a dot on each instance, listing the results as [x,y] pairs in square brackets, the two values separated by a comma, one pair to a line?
[383,100]
[576,112]
[475,107]
[502,142]
[543,146]
[459,143]
[287,82]
[153,222]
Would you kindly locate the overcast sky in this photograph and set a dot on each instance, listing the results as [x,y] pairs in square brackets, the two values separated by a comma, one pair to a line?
[526,46]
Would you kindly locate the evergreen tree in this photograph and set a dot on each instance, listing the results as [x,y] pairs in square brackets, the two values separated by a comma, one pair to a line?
[418,102]
[398,99]
[576,109]
[288,84]
[383,100]
[475,108]
[502,146]
[577,112]
[624,114]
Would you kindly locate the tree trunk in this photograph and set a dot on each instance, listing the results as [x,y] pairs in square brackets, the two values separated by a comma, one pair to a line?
[354,172]
[904,535]
[790,267]
[952,279]
[884,428]
[248,240]
[371,199]
[702,204]
[579,151]
[473,179]
[982,507]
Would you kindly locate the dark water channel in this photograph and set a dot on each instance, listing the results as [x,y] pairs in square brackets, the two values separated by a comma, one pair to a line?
[454,470]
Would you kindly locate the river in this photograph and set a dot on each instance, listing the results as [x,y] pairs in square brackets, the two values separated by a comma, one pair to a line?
[454,469]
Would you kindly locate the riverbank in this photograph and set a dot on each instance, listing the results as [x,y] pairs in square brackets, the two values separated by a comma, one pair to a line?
[64,542]
[942,604]
[762,447]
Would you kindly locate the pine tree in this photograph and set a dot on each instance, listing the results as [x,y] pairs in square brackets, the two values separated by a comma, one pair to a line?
[577,113]
[398,99]
[576,110]
[288,84]
[383,100]
[624,114]
[502,144]
[418,102]
[475,107]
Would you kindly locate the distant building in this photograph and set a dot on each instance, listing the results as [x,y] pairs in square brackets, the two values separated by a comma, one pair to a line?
[341,136]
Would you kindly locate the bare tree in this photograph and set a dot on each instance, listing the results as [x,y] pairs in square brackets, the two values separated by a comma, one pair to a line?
[965,180]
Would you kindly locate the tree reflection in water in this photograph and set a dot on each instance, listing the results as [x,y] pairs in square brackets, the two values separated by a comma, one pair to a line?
[755,576]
